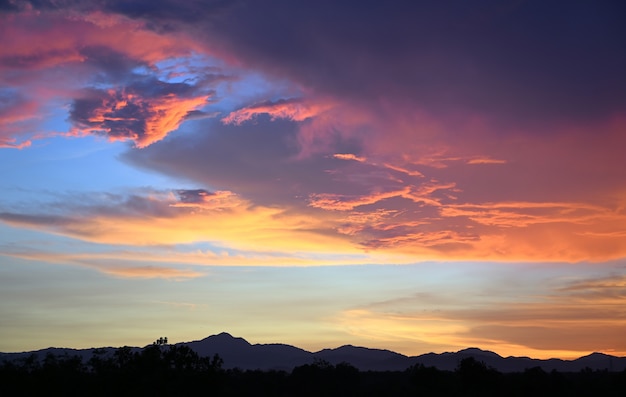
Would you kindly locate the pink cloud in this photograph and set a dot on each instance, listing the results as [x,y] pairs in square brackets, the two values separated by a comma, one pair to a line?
[52,57]
[12,144]
[458,161]
[485,160]
[292,109]
[135,114]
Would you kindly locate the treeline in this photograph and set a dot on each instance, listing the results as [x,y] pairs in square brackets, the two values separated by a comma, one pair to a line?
[176,370]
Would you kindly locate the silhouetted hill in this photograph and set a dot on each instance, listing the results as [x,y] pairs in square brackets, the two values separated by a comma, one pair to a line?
[365,359]
[84,354]
[239,353]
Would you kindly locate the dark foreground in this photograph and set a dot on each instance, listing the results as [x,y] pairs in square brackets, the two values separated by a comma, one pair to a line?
[179,371]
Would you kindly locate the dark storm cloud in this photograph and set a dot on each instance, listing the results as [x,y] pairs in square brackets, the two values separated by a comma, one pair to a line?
[8,6]
[46,5]
[97,110]
[253,159]
[161,15]
[113,65]
[529,59]
[165,15]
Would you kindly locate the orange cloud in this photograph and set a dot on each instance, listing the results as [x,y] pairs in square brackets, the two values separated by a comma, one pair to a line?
[336,202]
[401,226]
[349,156]
[521,214]
[131,114]
[393,167]
[225,220]
[403,170]
[485,160]
[52,56]
[418,194]
[43,40]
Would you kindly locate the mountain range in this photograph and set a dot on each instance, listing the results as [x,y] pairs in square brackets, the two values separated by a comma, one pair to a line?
[239,353]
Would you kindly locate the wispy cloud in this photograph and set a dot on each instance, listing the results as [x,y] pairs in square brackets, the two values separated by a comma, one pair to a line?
[194,216]
[292,109]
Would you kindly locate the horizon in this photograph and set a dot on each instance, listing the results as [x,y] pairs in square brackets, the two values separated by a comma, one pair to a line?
[314,351]
[412,176]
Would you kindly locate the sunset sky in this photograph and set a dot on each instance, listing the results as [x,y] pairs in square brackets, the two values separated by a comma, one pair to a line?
[421,176]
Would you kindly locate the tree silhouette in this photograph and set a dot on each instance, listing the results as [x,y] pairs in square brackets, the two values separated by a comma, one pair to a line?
[476,379]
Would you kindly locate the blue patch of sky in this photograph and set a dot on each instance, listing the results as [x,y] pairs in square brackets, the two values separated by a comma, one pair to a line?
[236,88]
[187,69]
[64,164]
[251,88]
[15,240]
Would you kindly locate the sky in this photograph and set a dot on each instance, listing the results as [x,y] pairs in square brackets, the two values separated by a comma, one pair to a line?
[420,176]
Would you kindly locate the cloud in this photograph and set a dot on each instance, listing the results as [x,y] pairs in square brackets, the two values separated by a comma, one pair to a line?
[202,199]
[15,109]
[421,210]
[12,144]
[522,214]
[349,156]
[460,132]
[159,218]
[438,56]
[393,167]
[484,60]
[570,321]
[342,203]
[150,272]
[144,111]
[292,109]
[175,262]
[112,77]
[485,160]
[112,264]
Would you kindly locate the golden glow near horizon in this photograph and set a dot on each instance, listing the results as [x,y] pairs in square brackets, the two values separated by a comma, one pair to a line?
[194,170]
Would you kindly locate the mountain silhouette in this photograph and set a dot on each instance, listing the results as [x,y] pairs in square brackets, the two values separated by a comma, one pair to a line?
[239,353]
[364,358]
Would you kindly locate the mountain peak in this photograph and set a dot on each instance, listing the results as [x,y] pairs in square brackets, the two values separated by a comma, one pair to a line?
[478,352]
[225,337]
[595,355]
